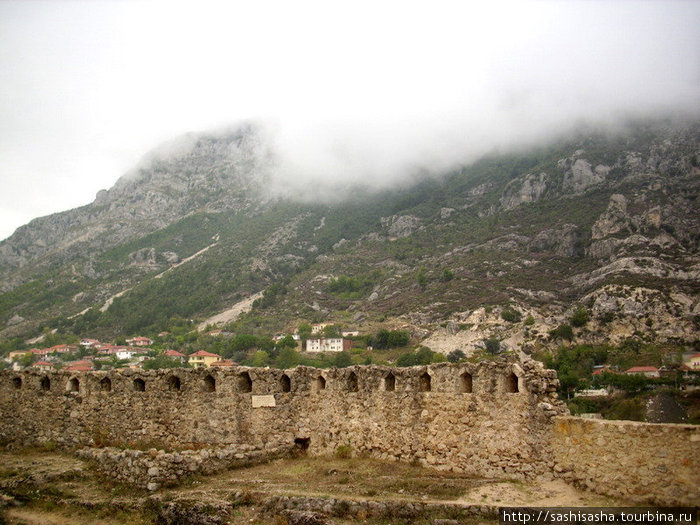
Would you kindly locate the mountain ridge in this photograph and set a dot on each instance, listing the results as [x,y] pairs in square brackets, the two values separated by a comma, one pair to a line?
[539,230]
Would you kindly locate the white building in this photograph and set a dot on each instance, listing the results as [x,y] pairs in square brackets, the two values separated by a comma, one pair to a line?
[336,344]
[130,353]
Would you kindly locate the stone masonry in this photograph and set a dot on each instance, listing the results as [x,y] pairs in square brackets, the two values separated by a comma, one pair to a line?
[490,419]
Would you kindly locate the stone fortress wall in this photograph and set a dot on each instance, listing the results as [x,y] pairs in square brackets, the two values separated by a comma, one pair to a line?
[491,419]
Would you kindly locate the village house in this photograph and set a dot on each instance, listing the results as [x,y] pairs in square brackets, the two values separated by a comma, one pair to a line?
[89,343]
[130,352]
[693,362]
[79,366]
[334,344]
[17,354]
[646,371]
[62,349]
[174,354]
[43,366]
[202,359]
[139,341]
[319,327]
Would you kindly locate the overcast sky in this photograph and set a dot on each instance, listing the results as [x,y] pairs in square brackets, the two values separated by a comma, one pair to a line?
[355,89]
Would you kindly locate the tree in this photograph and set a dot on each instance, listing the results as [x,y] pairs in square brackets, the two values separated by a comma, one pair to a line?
[342,360]
[287,358]
[579,317]
[492,345]
[422,278]
[398,338]
[260,359]
[331,331]
[407,359]
[287,342]
[456,356]
[563,331]
[304,331]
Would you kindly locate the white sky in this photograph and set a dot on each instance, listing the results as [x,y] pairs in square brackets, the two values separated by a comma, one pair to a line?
[357,89]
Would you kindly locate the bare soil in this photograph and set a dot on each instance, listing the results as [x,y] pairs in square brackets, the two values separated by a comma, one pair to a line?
[51,488]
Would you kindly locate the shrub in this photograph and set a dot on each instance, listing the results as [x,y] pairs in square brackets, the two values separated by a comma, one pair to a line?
[343,452]
[493,346]
[447,275]
[510,315]
[456,356]
[529,320]
[579,317]
[563,331]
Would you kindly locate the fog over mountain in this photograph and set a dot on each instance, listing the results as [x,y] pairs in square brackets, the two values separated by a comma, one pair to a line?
[362,93]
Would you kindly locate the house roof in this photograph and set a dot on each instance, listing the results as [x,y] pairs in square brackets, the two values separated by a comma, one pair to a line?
[643,369]
[204,353]
[174,353]
[79,366]
[695,355]
[42,363]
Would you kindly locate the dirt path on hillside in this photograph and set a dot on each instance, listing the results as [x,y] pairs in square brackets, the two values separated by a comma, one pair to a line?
[232,313]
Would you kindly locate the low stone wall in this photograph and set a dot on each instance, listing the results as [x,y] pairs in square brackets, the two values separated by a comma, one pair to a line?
[643,462]
[154,468]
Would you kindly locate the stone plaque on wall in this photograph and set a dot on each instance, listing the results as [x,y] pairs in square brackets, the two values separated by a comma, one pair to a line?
[263,401]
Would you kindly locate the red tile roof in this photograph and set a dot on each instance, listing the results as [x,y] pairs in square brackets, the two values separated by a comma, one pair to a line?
[642,369]
[174,353]
[204,353]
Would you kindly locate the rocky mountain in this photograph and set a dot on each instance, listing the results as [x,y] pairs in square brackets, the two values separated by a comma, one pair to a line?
[510,246]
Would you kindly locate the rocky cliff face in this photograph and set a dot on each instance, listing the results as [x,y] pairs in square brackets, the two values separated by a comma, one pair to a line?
[191,174]
[601,220]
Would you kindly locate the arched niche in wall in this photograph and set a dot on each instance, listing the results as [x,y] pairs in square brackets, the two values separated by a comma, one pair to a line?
[106,384]
[285,383]
[512,383]
[209,383]
[139,385]
[318,384]
[244,382]
[73,385]
[174,383]
[45,384]
[352,382]
[17,382]
[425,382]
[389,382]
[465,385]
